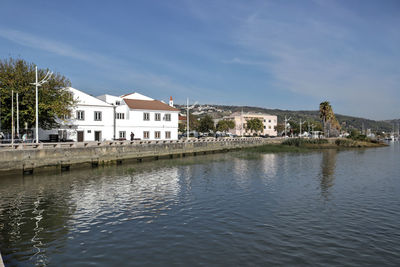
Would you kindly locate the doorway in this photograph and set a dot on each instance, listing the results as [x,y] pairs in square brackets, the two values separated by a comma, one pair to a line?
[80,136]
[97,136]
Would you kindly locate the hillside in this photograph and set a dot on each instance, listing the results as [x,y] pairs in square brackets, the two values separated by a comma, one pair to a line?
[348,122]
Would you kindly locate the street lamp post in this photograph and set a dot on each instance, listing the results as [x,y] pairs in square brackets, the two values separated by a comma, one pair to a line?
[300,127]
[286,122]
[187,116]
[12,116]
[17,116]
[37,84]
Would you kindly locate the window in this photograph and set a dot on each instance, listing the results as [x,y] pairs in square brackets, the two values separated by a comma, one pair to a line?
[167,135]
[121,116]
[122,134]
[158,116]
[167,117]
[117,103]
[146,135]
[269,127]
[157,134]
[265,127]
[146,116]
[97,115]
[269,120]
[80,115]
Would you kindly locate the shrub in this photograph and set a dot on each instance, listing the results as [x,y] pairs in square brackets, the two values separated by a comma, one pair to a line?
[345,142]
[301,141]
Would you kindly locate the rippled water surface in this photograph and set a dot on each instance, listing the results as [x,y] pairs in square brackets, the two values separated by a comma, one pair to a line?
[321,208]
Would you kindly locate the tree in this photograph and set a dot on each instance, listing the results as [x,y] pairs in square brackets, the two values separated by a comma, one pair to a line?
[54,100]
[206,124]
[255,125]
[225,125]
[193,122]
[182,127]
[329,121]
[279,128]
[325,112]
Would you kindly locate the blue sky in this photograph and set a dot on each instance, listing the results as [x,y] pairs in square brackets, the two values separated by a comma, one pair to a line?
[273,54]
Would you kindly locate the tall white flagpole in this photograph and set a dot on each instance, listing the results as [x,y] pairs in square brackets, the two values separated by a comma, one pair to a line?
[12,116]
[187,118]
[17,117]
[37,108]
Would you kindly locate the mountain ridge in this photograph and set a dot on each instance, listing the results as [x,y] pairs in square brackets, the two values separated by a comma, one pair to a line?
[346,121]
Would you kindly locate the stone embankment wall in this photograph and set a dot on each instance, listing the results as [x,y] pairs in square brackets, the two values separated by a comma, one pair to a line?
[28,158]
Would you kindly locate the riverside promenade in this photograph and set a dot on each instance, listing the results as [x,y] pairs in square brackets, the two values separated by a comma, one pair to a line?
[31,158]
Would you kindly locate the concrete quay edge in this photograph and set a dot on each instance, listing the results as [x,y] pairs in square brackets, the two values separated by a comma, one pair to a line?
[59,156]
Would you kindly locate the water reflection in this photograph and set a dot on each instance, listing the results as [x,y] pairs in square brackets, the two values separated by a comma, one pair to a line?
[32,216]
[138,195]
[328,165]
[269,164]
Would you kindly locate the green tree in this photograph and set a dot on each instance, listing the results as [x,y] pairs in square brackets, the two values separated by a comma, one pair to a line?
[181,127]
[206,124]
[255,125]
[225,125]
[54,100]
[329,121]
[193,122]
[279,128]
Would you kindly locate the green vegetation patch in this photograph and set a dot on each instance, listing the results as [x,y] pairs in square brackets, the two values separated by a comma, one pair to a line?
[272,148]
[299,142]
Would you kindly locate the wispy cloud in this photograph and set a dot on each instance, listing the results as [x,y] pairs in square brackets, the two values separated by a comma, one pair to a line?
[116,69]
[244,62]
[33,41]
[325,61]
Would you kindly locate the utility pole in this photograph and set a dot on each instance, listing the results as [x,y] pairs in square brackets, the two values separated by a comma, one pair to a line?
[187,116]
[300,127]
[37,84]
[241,122]
[312,130]
[17,117]
[12,116]
[286,122]
[0,112]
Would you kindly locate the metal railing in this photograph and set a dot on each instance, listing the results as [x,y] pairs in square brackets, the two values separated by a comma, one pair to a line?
[30,146]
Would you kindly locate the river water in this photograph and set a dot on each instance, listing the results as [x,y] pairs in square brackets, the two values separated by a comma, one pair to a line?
[325,208]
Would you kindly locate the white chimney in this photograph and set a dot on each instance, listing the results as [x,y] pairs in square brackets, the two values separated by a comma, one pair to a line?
[171,102]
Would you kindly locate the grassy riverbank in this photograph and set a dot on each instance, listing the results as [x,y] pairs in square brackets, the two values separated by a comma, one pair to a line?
[304,145]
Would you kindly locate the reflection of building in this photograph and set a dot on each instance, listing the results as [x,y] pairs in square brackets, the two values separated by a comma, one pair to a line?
[269,164]
[110,117]
[143,192]
[240,119]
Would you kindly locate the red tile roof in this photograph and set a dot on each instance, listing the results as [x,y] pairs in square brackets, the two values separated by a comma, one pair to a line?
[148,105]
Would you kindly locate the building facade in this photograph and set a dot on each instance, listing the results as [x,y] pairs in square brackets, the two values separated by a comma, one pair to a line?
[109,117]
[144,117]
[269,122]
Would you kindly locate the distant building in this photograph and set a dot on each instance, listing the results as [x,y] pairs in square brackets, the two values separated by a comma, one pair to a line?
[269,121]
[109,117]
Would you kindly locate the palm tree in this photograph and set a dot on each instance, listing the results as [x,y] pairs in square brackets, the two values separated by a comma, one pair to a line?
[325,113]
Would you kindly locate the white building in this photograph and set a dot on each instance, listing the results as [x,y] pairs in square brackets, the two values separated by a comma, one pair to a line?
[110,117]
[269,121]
[146,118]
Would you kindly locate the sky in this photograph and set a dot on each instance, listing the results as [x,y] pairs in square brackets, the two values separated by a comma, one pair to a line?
[273,54]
